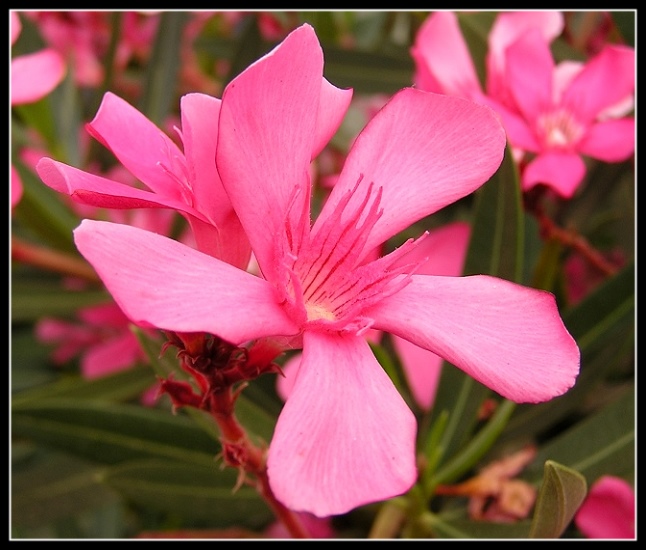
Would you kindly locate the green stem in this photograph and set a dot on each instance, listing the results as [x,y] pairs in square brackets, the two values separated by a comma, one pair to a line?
[476,449]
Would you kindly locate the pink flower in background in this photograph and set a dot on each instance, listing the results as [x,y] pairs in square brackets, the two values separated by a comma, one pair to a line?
[608,511]
[187,181]
[101,336]
[563,116]
[554,115]
[443,62]
[345,437]
[32,77]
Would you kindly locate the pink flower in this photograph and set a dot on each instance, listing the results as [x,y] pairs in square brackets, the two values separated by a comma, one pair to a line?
[442,253]
[608,511]
[443,61]
[559,120]
[187,181]
[554,115]
[345,436]
[102,338]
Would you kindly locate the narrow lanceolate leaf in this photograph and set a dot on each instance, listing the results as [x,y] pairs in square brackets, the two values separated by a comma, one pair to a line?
[113,432]
[52,486]
[602,443]
[561,493]
[126,384]
[160,86]
[195,492]
[496,248]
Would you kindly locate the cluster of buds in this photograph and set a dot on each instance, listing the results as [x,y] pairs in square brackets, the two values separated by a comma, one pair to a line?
[218,367]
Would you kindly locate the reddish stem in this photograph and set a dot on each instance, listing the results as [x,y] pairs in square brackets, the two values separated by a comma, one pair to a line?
[241,452]
[52,260]
[570,238]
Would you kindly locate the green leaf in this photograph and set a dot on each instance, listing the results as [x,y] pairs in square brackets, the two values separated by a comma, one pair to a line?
[561,493]
[497,242]
[601,443]
[126,384]
[53,485]
[112,432]
[196,492]
[34,298]
[160,86]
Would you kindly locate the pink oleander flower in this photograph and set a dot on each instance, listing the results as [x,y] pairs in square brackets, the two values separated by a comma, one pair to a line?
[562,116]
[186,181]
[443,62]
[554,115]
[345,436]
[608,511]
[441,253]
[101,337]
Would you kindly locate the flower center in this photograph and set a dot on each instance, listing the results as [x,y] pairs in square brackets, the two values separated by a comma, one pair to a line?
[559,129]
[327,282]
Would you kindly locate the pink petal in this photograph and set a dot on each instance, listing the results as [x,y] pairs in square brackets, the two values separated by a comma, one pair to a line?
[446,250]
[98,191]
[508,337]
[590,93]
[159,282]
[267,126]
[608,512]
[334,103]
[563,172]
[610,140]
[200,114]
[138,144]
[35,75]
[423,369]
[425,151]
[509,27]
[529,73]
[112,355]
[345,437]
[442,52]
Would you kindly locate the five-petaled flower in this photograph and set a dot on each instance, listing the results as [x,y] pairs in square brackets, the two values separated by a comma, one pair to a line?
[555,114]
[345,436]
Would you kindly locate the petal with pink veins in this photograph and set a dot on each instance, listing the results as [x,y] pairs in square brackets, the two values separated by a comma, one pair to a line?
[266,139]
[159,282]
[563,172]
[509,337]
[138,144]
[445,249]
[98,191]
[421,167]
[345,436]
